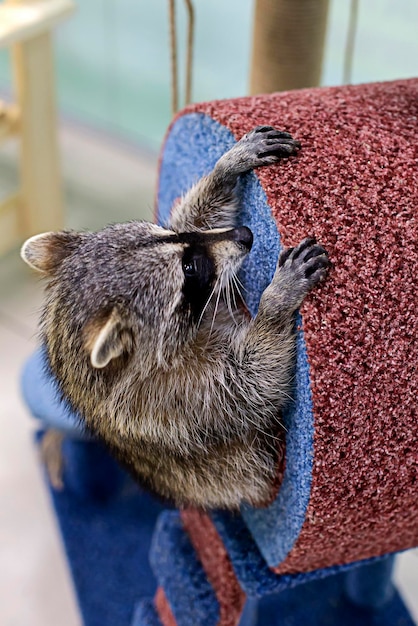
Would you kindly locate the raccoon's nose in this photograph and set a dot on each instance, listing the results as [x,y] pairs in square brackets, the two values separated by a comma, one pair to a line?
[244,236]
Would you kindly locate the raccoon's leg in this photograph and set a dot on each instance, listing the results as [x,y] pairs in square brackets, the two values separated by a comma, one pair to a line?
[211,203]
[265,352]
[51,456]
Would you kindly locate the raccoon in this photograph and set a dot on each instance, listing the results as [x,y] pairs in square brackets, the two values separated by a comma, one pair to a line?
[146,333]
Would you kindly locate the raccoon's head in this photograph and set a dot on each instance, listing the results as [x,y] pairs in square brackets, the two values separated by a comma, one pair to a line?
[132,289]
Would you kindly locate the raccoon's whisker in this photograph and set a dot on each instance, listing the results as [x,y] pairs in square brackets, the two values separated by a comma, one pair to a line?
[228,297]
[215,311]
[226,288]
[207,303]
[236,290]
[238,282]
[237,285]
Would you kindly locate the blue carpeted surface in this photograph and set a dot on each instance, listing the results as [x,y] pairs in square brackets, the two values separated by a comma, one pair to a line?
[108,542]
[180,574]
[324,603]
[320,603]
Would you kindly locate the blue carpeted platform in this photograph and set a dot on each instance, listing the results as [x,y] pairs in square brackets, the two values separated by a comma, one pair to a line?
[108,541]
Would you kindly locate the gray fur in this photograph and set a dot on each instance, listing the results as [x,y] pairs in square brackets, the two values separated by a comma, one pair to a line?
[146,333]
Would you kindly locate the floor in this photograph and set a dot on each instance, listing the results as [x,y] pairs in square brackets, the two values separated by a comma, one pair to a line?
[104,181]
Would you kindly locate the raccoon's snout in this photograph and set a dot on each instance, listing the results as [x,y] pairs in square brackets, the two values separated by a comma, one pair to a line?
[243,236]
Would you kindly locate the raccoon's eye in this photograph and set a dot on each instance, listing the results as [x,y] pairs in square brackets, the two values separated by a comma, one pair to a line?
[190,267]
[199,273]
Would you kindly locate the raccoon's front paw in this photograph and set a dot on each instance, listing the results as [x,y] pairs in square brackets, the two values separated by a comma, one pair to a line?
[300,268]
[265,145]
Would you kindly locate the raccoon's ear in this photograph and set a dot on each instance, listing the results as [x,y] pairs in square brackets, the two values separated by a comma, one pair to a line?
[46,252]
[107,339]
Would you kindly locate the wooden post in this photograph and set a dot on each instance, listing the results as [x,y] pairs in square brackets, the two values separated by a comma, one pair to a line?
[40,174]
[288,44]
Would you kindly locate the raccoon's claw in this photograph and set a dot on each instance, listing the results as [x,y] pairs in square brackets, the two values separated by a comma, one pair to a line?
[271,131]
[266,145]
[303,266]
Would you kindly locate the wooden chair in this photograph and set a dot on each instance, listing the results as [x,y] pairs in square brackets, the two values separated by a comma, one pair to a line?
[26,29]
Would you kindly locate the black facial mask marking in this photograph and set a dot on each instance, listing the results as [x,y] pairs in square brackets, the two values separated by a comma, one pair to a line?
[199,272]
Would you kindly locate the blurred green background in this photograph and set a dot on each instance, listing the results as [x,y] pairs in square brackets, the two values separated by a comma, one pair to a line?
[113,69]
